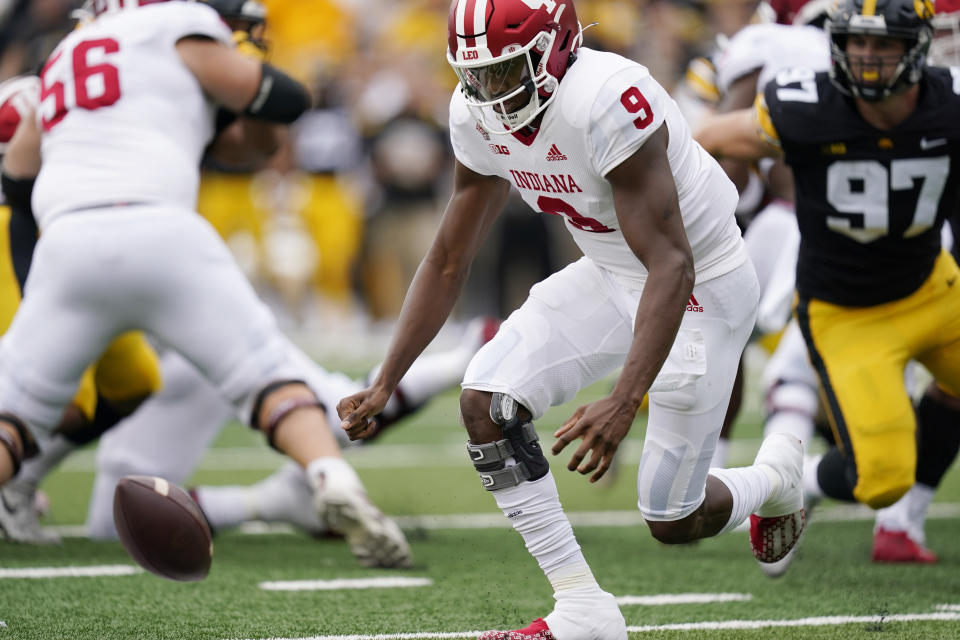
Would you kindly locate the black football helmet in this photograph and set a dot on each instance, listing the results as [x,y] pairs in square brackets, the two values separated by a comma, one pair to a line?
[250,11]
[907,20]
[243,16]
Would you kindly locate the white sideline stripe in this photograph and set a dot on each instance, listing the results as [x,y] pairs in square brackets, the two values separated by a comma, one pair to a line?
[823,621]
[72,572]
[345,583]
[839,513]
[387,636]
[947,607]
[683,598]
[685,626]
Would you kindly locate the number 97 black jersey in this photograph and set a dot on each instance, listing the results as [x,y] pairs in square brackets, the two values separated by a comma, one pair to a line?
[870,202]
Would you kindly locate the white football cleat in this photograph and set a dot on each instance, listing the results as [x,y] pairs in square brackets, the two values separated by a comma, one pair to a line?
[776,527]
[374,539]
[588,618]
[19,520]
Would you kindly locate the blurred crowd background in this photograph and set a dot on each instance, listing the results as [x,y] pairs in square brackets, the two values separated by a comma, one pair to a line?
[333,229]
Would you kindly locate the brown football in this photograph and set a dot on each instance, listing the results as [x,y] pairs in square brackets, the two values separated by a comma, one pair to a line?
[162,528]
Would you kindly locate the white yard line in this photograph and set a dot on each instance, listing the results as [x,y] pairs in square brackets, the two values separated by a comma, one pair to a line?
[685,626]
[823,621]
[682,598]
[345,583]
[837,513]
[380,456]
[71,572]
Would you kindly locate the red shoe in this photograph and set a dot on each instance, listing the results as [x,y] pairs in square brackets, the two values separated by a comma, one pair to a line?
[896,546]
[774,541]
[538,630]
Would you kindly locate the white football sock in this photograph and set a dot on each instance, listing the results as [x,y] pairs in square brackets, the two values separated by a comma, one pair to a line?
[52,453]
[331,466]
[534,510]
[226,507]
[750,488]
[811,486]
[908,514]
[918,503]
[721,453]
[794,423]
[283,496]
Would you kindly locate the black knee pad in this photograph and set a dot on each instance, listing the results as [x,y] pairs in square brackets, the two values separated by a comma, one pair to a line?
[837,475]
[520,442]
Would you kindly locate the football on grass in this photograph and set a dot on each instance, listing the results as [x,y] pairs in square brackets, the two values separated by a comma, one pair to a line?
[162,528]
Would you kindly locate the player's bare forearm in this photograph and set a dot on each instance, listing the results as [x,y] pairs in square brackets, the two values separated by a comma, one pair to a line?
[474,205]
[648,210]
[247,144]
[734,135]
[659,314]
[430,299]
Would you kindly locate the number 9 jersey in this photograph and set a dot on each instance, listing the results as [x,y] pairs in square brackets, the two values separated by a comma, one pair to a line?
[101,112]
[605,108]
[870,202]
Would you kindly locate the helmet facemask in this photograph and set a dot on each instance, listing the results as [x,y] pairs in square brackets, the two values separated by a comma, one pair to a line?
[876,77]
[514,86]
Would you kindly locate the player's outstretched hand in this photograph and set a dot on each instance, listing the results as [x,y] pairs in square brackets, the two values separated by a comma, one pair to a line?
[602,425]
[357,411]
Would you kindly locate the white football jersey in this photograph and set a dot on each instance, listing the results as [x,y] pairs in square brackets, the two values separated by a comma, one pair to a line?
[771,48]
[605,109]
[123,119]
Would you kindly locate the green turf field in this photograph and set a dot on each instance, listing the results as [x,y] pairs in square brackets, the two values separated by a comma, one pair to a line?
[473,573]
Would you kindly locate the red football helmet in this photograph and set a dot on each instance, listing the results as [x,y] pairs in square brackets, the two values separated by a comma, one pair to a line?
[510,56]
[98,7]
[945,47]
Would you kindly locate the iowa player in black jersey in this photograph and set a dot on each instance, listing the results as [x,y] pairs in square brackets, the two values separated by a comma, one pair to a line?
[874,146]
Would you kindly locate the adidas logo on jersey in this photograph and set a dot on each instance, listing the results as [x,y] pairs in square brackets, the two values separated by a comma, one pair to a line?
[693,305]
[555,154]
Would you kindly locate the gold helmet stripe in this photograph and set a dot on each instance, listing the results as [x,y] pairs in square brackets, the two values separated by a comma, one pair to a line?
[869,7]
[924,9]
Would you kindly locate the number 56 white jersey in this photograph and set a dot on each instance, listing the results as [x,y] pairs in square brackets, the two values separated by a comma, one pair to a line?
[605,109]
[123,119]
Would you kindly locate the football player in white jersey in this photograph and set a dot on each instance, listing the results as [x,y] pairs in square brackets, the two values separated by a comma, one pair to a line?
[170,434]
[665,290]
[137,90]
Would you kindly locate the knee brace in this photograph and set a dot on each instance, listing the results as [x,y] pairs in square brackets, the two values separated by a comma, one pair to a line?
[281,411]
[519,444]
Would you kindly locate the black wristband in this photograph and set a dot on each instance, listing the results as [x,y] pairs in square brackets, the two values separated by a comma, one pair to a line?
[279,97]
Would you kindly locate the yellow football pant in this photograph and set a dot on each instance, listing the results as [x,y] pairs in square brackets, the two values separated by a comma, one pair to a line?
[860,354]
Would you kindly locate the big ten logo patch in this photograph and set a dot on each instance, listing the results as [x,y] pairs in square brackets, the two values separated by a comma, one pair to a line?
[499,149]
